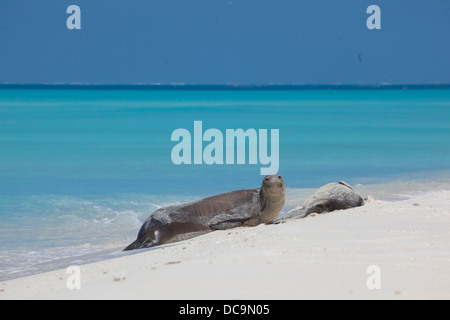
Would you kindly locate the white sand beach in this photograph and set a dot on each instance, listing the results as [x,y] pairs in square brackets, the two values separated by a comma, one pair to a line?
[320,257]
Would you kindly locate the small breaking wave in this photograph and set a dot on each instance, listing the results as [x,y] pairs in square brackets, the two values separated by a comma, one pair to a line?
[40,232]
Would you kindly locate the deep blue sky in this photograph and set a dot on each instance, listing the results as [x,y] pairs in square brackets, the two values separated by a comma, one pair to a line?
[225,41]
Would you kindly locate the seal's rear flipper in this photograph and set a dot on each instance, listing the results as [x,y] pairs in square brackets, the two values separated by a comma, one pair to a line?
[135,245]
[146,241]
[297,213]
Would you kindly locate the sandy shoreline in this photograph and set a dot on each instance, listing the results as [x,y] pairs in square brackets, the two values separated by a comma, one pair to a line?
[320,257]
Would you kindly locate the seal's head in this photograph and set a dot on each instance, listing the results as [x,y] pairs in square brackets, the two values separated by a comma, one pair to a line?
[273,185]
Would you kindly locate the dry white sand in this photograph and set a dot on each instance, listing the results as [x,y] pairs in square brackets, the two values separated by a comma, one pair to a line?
[320,257]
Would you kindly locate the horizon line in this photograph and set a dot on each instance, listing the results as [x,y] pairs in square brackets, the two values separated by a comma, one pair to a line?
[182,86]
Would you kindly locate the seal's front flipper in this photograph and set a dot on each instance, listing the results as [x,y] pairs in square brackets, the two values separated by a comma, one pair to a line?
[226,225]
[276,221]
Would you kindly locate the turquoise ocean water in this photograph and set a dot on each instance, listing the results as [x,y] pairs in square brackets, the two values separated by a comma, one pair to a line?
[81,169]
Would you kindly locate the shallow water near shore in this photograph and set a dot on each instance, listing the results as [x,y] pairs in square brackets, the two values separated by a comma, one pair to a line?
[83,230]
[81,170]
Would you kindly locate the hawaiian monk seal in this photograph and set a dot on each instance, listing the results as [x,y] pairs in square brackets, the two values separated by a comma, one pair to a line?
[330,197]
[224,211]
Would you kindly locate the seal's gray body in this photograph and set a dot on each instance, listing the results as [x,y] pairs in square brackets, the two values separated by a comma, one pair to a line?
[331,197]
[224,211]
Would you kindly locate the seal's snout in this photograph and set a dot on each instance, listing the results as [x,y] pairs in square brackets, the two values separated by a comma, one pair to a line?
[273,181]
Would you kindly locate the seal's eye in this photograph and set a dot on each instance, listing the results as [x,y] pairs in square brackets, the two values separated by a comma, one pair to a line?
[279,177]
[267,179]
